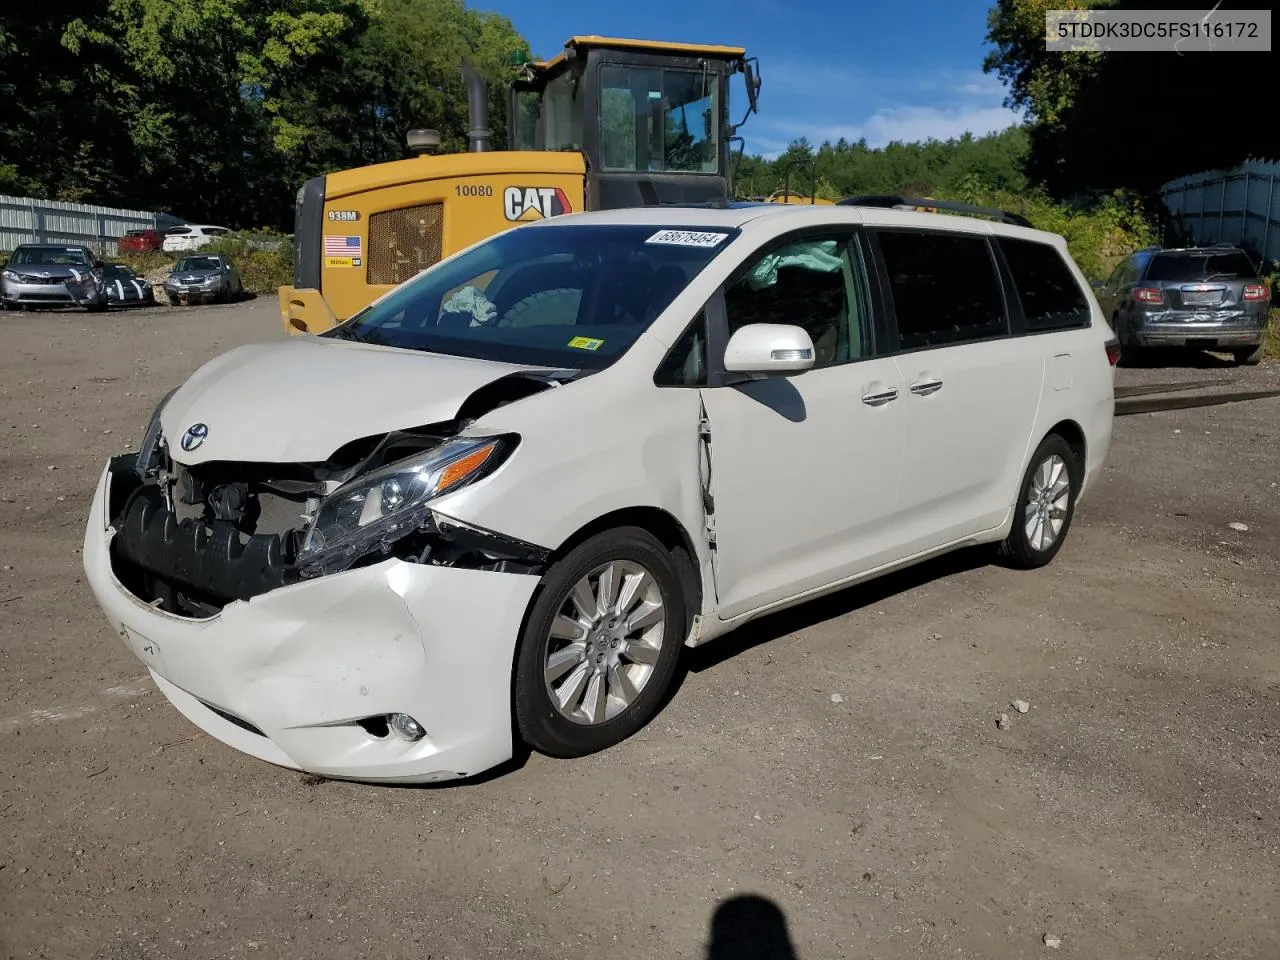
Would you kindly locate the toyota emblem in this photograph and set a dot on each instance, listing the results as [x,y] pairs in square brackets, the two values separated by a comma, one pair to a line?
[194,436]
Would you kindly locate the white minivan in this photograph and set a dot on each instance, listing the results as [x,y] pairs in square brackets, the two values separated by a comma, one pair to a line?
[494,505]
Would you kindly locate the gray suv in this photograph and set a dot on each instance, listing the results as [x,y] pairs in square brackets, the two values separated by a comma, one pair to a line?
[1204,298]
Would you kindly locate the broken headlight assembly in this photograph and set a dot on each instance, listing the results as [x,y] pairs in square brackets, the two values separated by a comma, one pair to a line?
[149,451]
[376,509]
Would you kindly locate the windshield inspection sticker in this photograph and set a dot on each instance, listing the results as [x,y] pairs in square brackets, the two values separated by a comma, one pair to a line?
[687,238]
[586,343]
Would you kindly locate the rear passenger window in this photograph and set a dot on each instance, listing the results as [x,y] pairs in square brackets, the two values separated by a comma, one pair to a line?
[944,288]
[1051,298]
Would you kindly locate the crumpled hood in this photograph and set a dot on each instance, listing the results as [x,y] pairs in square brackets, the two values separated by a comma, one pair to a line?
[299,400]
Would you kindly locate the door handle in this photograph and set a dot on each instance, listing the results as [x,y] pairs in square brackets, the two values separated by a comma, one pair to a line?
[922,388]
[880,397]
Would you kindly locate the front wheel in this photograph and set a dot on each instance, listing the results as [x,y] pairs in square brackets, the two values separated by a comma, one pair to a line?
[1045,506]
[1249,357]
[600,647]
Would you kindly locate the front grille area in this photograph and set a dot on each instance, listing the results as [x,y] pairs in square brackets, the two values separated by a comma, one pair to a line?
[210,564]
[404,242]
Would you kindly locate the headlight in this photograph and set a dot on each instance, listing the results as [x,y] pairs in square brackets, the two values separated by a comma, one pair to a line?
[380,507]
[149,450]
[10,275]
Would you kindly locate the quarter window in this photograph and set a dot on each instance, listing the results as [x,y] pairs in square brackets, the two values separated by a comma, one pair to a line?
[686,364]
[1051,298]
[944,288]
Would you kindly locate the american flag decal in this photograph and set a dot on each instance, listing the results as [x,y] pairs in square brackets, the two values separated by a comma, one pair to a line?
[341,246]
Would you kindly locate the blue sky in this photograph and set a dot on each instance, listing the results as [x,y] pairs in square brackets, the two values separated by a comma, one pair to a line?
[904,70]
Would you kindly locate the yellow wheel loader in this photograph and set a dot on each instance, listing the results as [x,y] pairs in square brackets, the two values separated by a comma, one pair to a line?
[607,123]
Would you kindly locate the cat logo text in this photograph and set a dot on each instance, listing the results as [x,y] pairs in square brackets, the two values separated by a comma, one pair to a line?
[534,203]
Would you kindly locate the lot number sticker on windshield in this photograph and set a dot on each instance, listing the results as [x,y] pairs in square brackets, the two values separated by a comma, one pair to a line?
[586,343]
[687,238]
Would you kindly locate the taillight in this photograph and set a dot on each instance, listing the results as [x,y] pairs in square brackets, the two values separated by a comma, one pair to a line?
[1148,295]
[1256,291]
[1113,352]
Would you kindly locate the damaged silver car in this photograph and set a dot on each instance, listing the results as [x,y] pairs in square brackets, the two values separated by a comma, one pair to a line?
[52,275]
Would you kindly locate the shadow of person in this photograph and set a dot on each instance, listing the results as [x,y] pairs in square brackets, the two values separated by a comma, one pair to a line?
[749,928]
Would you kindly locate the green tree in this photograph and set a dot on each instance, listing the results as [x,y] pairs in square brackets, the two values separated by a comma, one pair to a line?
[219,109]
[1105,121]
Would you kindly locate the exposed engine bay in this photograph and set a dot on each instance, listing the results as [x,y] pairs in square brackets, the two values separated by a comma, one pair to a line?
[190,539]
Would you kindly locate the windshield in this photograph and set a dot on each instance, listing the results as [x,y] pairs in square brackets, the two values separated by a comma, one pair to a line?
[198,263]
[558,296]
[116,271]
[1181,267]
[60,256]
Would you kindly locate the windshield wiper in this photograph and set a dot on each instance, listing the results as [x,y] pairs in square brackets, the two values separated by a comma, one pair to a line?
[344,333]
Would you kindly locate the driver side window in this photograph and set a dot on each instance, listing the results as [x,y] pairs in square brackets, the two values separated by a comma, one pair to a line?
[817,284]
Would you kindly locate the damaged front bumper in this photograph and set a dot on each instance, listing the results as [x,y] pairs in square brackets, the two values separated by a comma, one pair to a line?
[193,295]
[304,673]
[51,293]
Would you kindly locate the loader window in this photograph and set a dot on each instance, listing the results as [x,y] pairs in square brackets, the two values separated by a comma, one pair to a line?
[562,113]
[659,121]
[524,125]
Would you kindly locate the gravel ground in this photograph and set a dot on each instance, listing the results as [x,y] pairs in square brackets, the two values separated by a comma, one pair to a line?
[830,781]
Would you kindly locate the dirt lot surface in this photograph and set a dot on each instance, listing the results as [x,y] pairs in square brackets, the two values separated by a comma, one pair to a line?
[1131,812]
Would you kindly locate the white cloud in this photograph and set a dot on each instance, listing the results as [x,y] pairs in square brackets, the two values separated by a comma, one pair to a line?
[941,105]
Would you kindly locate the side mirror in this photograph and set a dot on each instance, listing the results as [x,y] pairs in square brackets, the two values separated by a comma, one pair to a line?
[769,349]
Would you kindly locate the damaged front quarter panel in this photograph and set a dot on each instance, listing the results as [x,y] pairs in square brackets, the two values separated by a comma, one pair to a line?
[190,539]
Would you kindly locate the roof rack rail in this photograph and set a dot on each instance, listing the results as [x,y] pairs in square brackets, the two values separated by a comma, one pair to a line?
[891,200]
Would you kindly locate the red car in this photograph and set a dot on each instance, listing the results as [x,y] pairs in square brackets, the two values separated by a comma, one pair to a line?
[140,241]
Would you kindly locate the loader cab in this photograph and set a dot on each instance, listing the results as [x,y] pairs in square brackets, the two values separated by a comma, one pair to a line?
[651,118]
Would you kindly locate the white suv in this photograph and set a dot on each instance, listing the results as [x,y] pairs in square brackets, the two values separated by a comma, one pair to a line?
[497,502]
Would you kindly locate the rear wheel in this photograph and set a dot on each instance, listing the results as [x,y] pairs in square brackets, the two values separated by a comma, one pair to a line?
[600,647]
[1045,506]
[1248,357]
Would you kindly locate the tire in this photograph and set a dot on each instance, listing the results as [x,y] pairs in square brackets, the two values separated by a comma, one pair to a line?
[1018,548]
[1129,354]
[1248,357]
[540,721]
